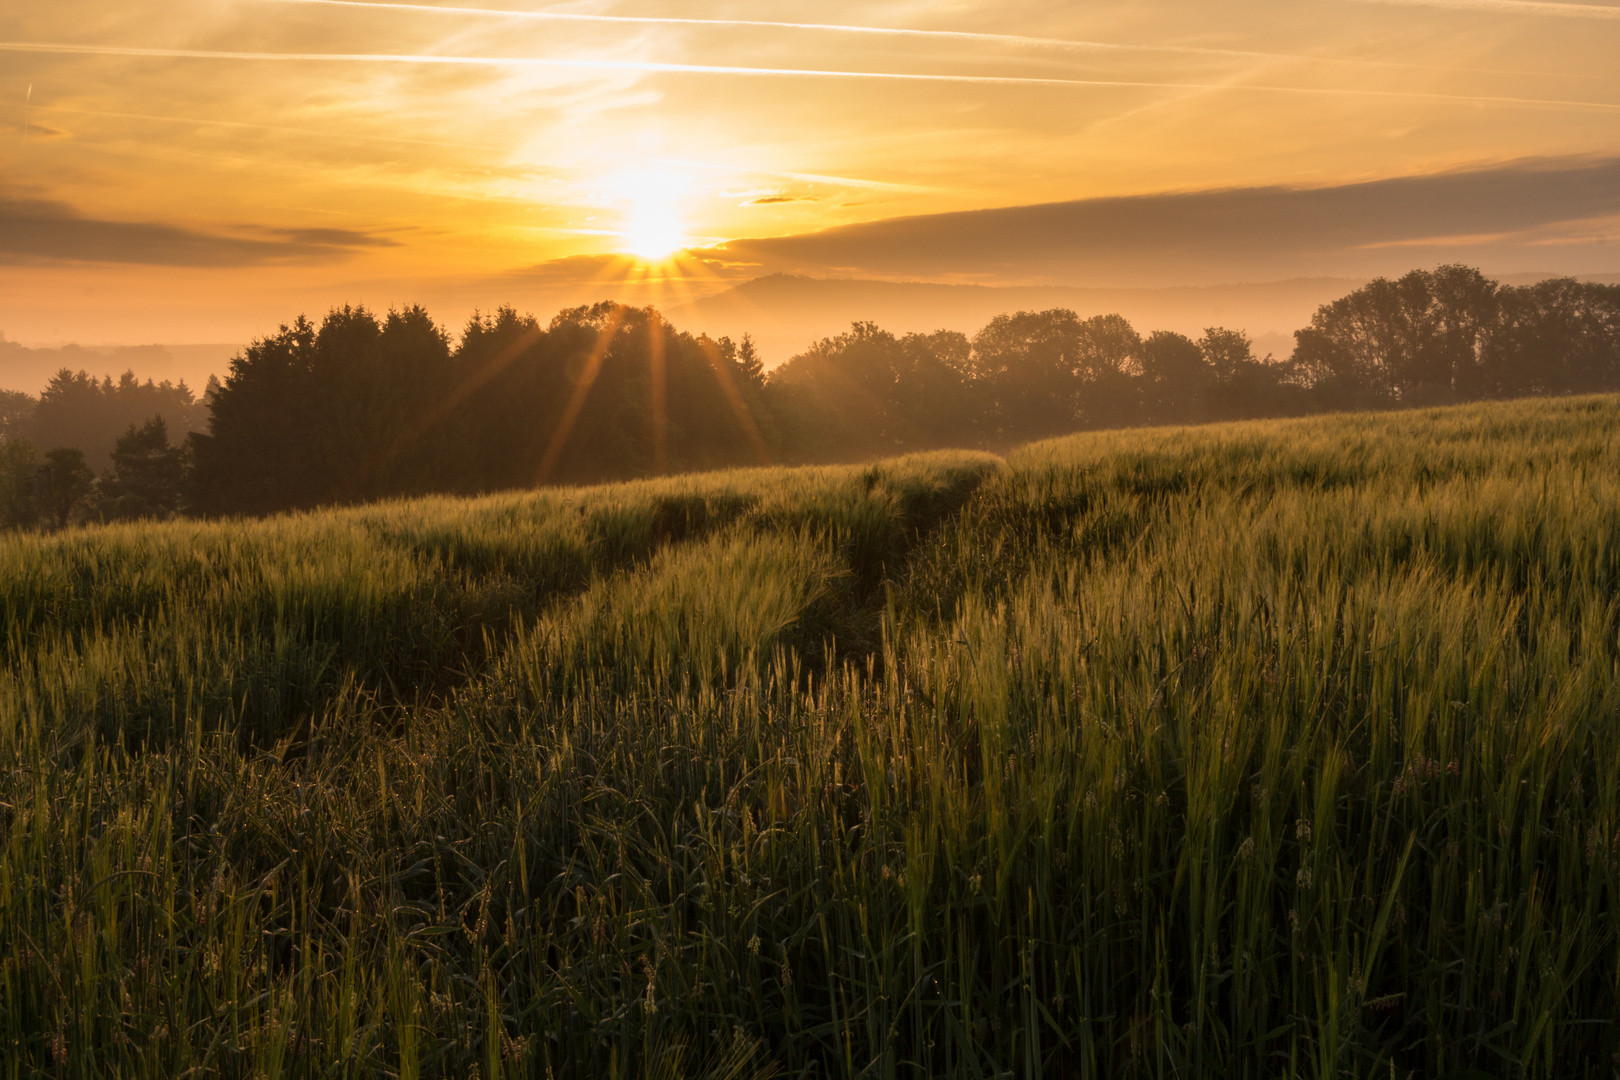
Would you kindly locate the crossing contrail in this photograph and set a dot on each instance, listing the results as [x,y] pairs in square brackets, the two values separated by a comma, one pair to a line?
[1510,7]
[577,63]
[842,28]
[654,67]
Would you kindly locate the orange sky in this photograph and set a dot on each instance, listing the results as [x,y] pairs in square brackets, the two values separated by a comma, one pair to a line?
[197,171]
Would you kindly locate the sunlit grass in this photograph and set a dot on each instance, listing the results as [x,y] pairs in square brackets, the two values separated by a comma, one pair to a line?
[1253,750]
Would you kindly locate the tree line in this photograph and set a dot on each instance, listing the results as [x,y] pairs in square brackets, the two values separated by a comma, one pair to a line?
[363,407]
[117,429]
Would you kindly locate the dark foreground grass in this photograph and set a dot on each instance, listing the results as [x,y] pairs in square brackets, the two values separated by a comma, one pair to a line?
[1258,750]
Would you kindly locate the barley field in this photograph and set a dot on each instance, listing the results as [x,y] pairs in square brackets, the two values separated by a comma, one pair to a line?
[1256,750]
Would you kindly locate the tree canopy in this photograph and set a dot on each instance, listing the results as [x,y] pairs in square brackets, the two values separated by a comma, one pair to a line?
[362,407]
[77,409]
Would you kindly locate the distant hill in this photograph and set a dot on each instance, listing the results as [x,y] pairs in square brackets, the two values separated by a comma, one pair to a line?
[29,369]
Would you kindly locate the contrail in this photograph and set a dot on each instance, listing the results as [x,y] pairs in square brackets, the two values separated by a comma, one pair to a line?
[841,28]
[812,178]
[258,127]
[847,28]
[1504,7]
[652,67]
[552,62]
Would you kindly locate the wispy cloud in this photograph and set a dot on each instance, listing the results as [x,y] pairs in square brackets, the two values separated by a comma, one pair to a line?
[1514,7]
[34,230]
[654,67]
[32,127]
[347,136]
[822,178]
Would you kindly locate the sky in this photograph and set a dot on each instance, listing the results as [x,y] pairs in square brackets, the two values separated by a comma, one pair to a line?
[202,170]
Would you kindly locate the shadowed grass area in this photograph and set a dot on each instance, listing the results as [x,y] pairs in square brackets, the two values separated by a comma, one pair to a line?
[1283,749]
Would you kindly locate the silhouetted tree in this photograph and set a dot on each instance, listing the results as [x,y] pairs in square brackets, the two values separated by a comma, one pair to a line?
[1030,367]
[1459,313]
[362,407]
[1244,385]
[503,382]
[1049,372]
[1176,379]
[1452,334]
[253,459]
[355,409]
[19,468]
[749,365]
[16,411]
[868,392]
[62,483]
[147,474]
[76,409]
[1555,337]
[1227,352]
[603,391]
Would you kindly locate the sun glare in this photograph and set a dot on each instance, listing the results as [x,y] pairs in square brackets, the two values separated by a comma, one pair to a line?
[652,225]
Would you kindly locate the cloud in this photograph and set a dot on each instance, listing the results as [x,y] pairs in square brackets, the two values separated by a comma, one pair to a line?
[190,121]
[43,230]
[33,128]
[1491,215]
[330,238]
[766,197]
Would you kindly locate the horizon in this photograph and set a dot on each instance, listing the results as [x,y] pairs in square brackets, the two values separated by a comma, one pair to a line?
[786,315]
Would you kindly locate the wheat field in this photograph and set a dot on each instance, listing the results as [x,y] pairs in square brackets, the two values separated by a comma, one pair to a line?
[1254,750]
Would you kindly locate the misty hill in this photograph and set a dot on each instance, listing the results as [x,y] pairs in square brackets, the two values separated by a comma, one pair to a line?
[28,369]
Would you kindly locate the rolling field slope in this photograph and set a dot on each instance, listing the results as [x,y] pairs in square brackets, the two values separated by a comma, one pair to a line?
[1257,750]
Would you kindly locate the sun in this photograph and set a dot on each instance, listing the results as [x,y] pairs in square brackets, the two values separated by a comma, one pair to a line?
[653,228]
[653,232]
